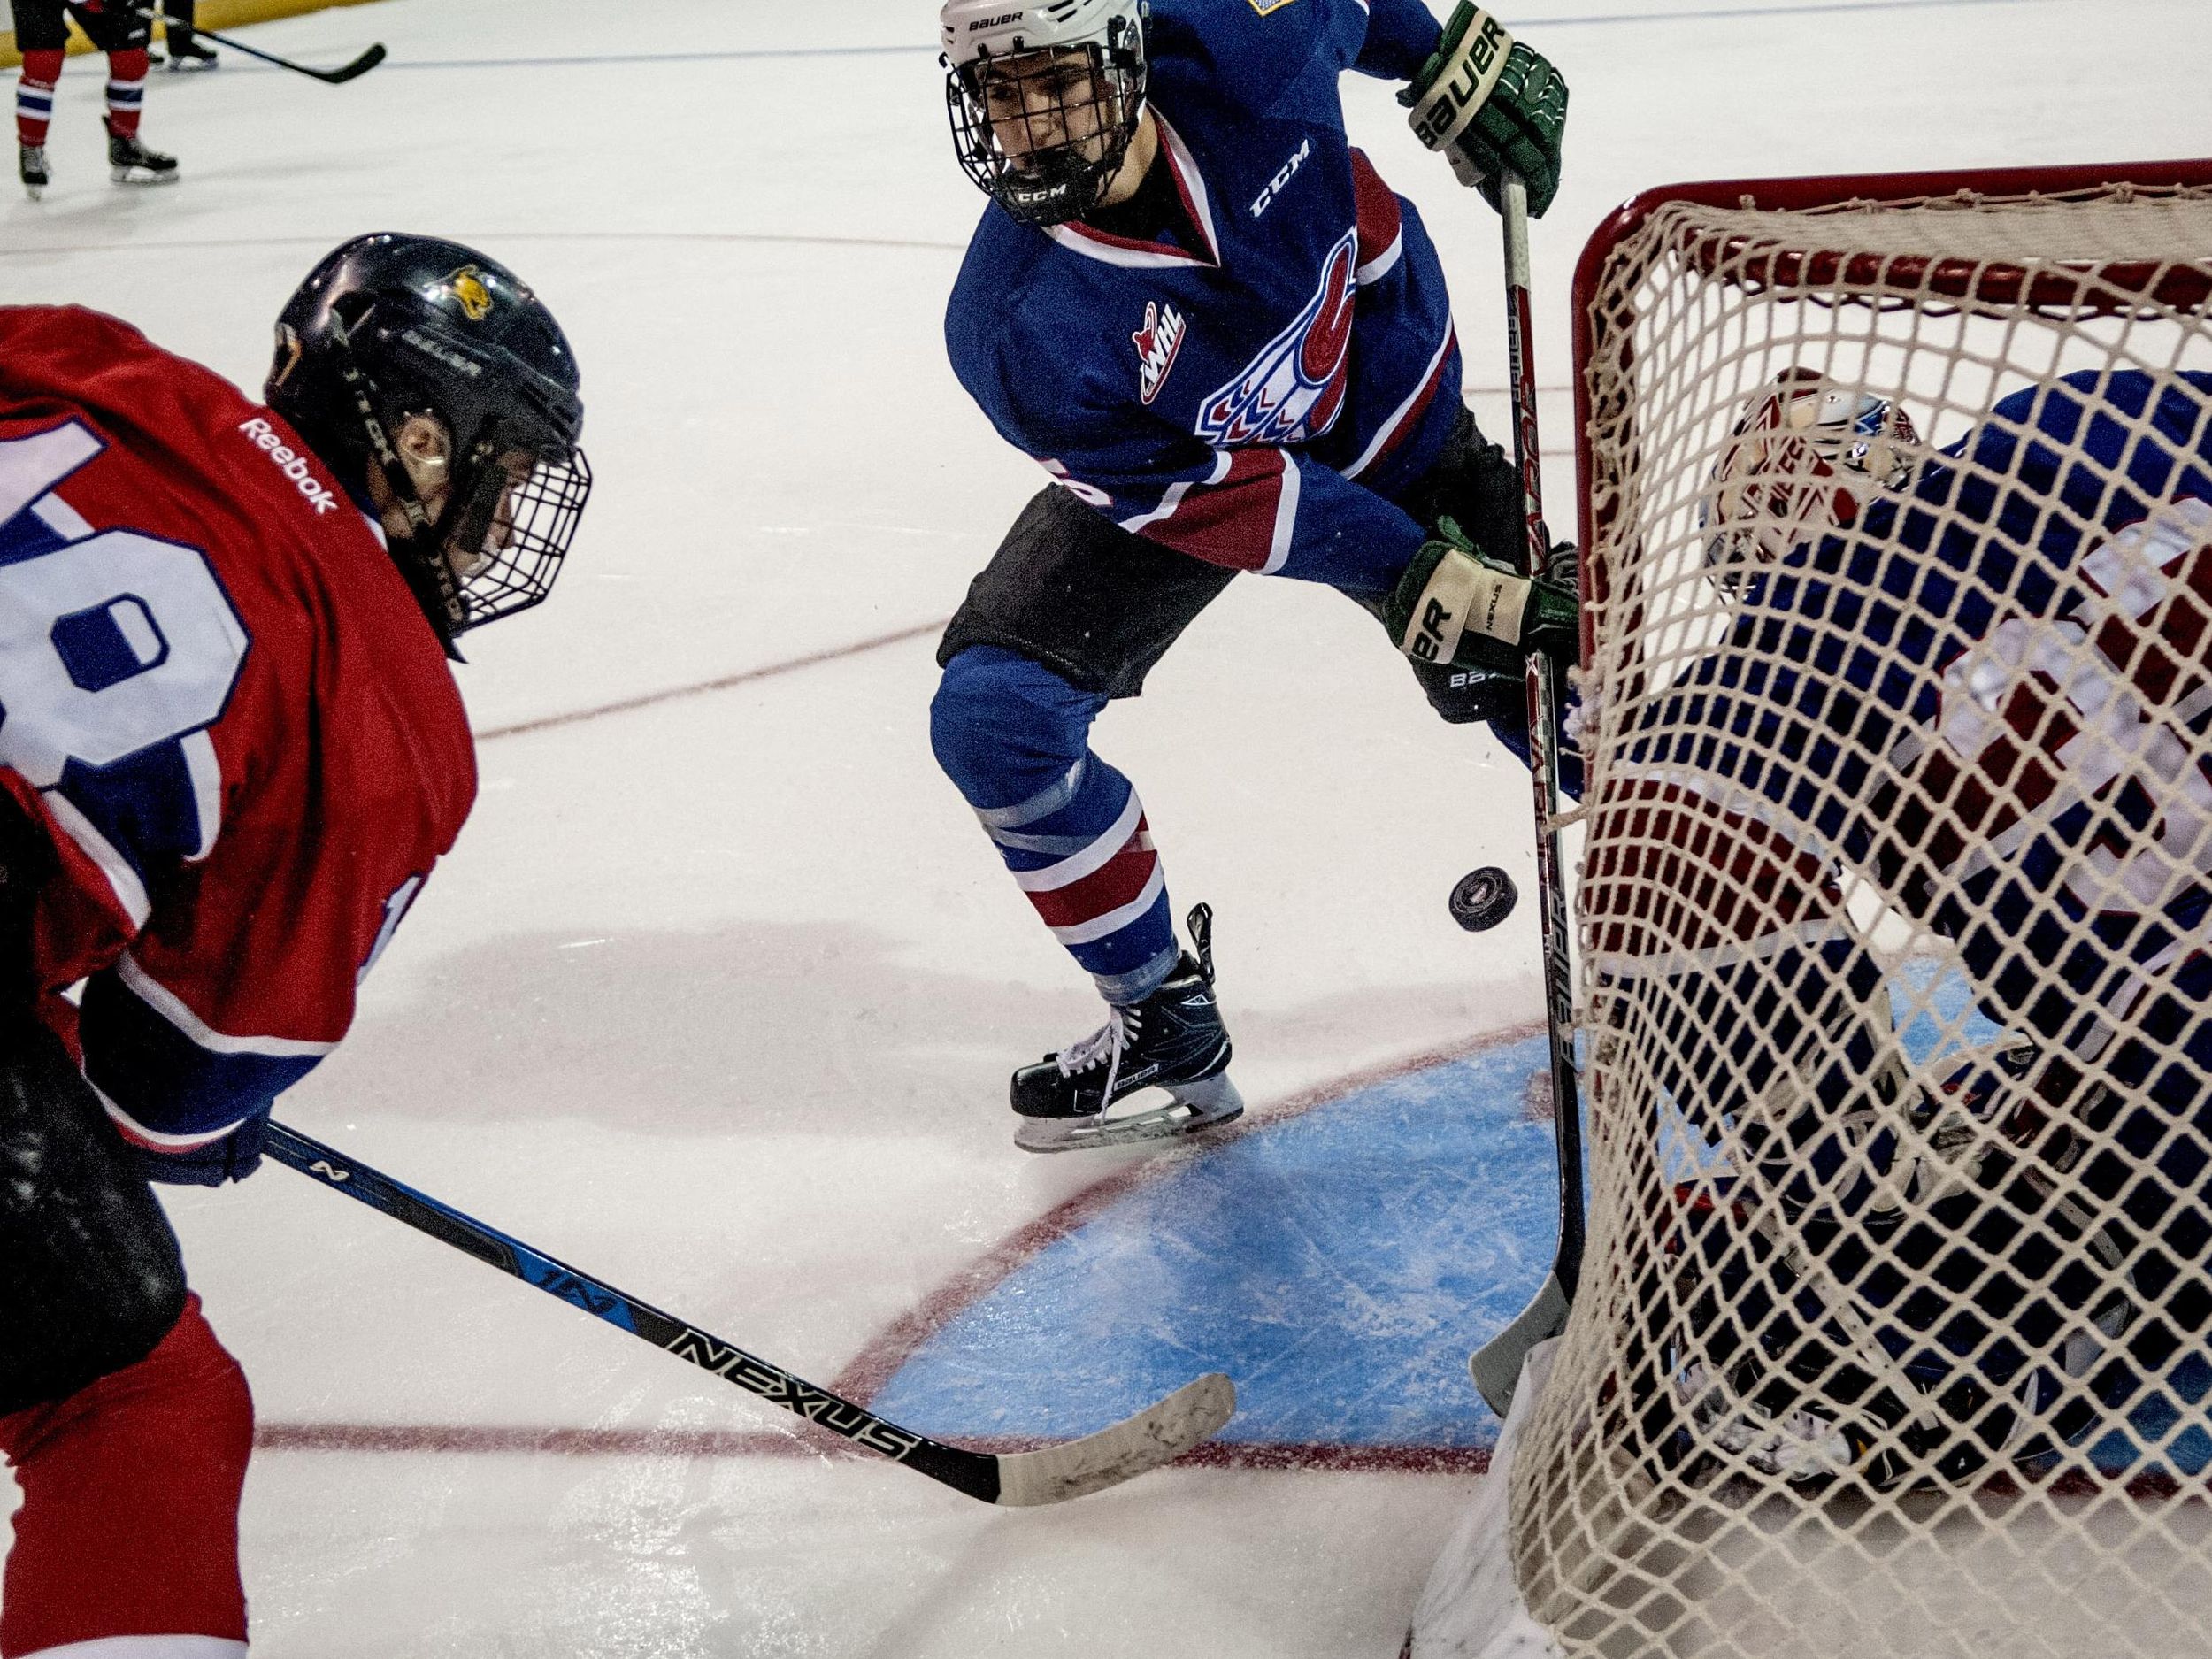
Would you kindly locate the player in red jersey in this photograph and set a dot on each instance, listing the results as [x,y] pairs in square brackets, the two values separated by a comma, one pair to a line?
[42,34]
[231,754]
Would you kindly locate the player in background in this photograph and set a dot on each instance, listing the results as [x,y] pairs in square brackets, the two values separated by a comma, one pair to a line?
[1205,315]
[185,50]
[1980,678]
[233,753]
[42,35]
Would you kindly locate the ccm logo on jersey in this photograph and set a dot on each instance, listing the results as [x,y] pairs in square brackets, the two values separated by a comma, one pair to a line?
[1261,201]
[1157,343]
[290,464]
[1294,390]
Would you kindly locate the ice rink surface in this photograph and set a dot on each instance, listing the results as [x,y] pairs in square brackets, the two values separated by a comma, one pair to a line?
[719,994]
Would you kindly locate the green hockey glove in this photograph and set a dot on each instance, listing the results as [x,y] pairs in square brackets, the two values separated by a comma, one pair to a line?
[1492,104]
[1455,606]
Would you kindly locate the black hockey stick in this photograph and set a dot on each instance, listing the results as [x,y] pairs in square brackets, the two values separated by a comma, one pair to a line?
[1496,1366]
[1156,1435]
[338,77]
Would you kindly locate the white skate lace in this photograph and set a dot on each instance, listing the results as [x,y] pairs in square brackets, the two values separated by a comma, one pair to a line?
[1107,1043]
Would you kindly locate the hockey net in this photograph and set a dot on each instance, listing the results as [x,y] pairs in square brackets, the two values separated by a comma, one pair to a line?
[1894,1008]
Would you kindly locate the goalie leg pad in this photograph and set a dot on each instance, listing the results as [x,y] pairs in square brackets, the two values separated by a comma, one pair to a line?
[129,1524]
[90,1275]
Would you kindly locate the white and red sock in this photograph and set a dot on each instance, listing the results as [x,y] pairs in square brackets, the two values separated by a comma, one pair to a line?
[35,96]
[126,1544]
[127,90]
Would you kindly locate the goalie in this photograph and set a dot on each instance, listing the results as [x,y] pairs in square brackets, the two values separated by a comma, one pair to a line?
[1971,682]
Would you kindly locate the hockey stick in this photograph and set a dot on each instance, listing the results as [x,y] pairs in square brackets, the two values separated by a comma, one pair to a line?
[1496,1366]
[1157,1435]
[338,77]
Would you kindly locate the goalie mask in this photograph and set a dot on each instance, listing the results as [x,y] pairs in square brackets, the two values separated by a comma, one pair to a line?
[1044,98]
[1803,461]
[390,327]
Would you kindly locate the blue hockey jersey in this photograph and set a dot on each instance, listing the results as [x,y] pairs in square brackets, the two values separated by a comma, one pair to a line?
[2000,711]
[1253,390]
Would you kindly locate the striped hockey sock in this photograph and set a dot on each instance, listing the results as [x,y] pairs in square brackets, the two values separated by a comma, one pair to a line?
[1083,853]
[35,96]
[127,90]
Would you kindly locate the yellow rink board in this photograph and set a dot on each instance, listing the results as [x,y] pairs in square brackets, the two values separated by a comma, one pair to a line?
[211,14]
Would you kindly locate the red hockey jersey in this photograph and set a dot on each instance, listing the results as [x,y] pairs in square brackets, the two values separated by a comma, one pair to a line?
[226,709]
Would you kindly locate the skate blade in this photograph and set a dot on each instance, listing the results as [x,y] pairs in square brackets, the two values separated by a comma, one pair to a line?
[125,175]
[37,192]
[1194,1107]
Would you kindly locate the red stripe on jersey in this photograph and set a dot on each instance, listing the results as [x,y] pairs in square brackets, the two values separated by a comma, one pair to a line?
[1374,210]
[1408,420]
[1231,523]
[1113,884]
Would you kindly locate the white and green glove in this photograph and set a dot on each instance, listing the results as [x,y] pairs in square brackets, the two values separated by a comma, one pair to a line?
[1453,606]
[1493,105]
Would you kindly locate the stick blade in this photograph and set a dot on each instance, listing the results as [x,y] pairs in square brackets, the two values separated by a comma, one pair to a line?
[1496,1365]
[359,67]
[1158,1435]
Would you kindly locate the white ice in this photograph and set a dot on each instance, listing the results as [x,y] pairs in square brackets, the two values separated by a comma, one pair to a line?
[717,997]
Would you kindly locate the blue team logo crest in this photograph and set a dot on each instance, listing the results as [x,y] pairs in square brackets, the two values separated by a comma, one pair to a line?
[1294,390]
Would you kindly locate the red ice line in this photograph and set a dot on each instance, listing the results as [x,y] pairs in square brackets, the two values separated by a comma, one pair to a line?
[879,1361]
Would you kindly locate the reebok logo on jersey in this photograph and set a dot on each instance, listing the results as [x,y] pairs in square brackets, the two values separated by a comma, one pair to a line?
[1294,390]
[290,462]
[1157,343]
[1261,201]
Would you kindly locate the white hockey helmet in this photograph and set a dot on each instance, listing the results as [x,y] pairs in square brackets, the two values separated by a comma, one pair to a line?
[1044,98]
[1803,460]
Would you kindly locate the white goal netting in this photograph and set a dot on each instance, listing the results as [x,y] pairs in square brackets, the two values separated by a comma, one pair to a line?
[1895,1330]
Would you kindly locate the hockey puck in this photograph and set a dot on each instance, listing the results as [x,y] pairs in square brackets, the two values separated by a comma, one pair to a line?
[1484,898]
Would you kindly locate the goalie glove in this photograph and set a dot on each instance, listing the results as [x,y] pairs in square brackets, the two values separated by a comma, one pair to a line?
[1493,105]
[1455,606]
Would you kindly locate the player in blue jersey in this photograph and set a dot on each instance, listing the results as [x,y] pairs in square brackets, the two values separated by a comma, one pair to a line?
[1979,680]
[1200,309]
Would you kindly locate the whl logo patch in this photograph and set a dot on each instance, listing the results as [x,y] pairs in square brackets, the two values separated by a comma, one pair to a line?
[1294,390]
[1157,343]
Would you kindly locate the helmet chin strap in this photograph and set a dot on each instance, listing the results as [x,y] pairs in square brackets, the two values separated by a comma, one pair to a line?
[421,559]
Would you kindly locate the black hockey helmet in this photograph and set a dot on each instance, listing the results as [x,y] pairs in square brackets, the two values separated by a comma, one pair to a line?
[389,325]
[1045,96]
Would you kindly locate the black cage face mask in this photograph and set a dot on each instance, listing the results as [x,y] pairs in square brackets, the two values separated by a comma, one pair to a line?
[1043,133]
[505,537]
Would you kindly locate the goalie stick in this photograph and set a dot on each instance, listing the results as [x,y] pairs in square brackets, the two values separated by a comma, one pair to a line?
[337,77]
[1496,1366]
[1157,1435]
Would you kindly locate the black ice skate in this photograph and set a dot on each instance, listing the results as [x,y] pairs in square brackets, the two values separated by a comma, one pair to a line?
[1173,1041]
[130,162]
[189,54]
[30,166]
